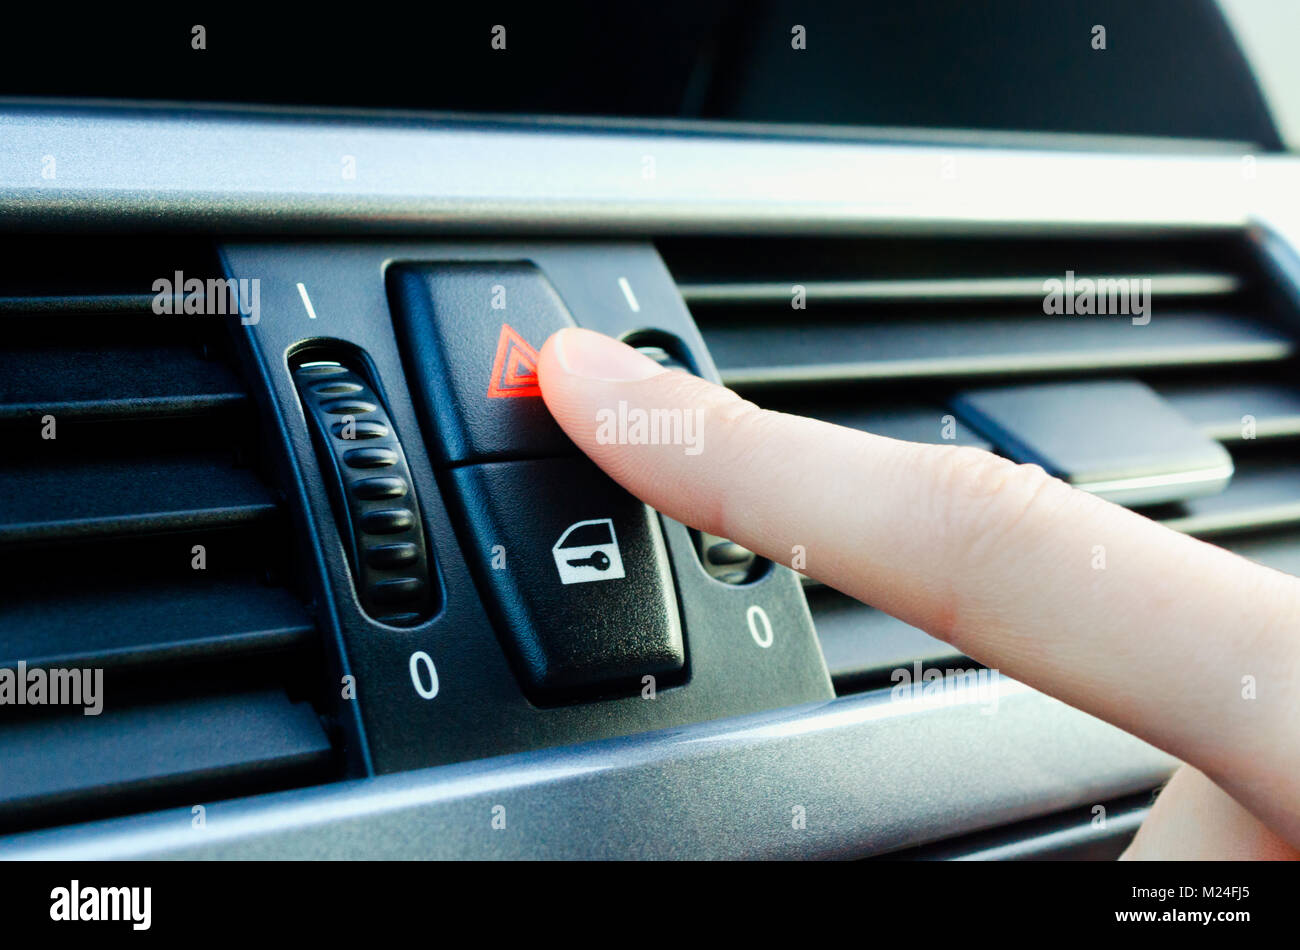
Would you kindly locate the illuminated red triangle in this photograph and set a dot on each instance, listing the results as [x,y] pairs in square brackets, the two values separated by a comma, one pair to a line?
[514,370]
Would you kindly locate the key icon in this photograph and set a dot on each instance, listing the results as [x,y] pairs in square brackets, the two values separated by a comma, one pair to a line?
[588,551]
[599,560]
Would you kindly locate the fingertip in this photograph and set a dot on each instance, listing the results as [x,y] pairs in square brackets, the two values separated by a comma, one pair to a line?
[563,392]
[586,354]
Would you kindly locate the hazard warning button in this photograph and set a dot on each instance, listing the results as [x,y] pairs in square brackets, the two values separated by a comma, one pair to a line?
[471,333]
[514,370]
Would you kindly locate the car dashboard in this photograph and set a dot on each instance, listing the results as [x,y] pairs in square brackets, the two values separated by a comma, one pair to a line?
[409,645]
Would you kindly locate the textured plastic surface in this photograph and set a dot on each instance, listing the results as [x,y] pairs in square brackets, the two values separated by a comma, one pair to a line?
[729,795]
[1003,346]
[146,566]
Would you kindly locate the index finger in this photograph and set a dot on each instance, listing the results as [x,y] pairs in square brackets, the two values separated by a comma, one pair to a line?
[993,557]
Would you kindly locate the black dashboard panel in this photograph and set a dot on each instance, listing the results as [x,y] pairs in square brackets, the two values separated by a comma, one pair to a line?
[478,707]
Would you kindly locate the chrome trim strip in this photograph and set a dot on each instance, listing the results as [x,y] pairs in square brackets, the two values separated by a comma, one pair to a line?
[1151,489]
[873,774]
[224,170]
[760,292]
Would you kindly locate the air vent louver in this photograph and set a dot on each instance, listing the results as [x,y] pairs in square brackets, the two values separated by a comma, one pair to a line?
[139,536]
[881,334]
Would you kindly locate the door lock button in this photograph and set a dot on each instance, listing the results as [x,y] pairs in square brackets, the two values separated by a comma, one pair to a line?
[576,573]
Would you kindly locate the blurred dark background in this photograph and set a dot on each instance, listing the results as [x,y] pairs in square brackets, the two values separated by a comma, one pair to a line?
[1170,67]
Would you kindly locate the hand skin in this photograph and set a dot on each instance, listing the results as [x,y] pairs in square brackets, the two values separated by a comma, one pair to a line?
[996,559]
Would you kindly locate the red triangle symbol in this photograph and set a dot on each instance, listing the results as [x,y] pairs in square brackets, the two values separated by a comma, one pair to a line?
[514,370]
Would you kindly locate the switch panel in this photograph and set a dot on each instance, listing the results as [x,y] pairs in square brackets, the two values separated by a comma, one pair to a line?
[473,331]
[370,484]
[491,670]
[577,575]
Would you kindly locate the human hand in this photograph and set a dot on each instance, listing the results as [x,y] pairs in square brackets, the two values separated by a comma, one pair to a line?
[994,558]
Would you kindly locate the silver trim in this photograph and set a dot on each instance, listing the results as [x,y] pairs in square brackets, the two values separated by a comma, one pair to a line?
[1164,285]
[872,774]
[1153,489]
[226,170]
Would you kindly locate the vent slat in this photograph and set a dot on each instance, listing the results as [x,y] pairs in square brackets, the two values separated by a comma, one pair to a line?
[77,767]
[130,407]
[1280,551]
[863,645]
[91,498]
[139,542]
[148,377]
[1260,495]
[885,333]
[139,303]
[154,623]
[947,348]
[1220,411]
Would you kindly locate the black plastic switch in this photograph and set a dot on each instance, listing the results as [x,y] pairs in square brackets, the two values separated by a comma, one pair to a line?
[727,561]
[370,487]
[471,333]
[577,573]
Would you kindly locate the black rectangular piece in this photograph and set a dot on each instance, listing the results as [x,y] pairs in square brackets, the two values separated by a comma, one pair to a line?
[1115,438]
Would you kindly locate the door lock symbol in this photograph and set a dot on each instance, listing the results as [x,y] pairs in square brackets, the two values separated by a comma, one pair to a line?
[588,551]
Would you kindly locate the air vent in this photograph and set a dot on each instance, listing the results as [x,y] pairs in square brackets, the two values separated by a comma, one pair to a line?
[139,537]
[888,335]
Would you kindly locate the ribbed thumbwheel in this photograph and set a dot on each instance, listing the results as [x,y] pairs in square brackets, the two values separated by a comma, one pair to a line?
[370,484]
